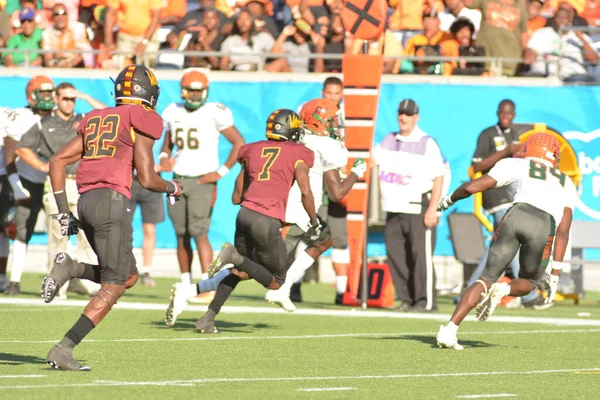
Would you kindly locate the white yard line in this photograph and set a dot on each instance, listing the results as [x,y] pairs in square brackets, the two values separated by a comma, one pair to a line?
[353,313]
[202,338]
[296,379]
[333,389]
[20,376]
[481,396]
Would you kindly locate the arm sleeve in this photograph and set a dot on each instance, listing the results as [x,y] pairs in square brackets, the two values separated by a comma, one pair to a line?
[482,149]
[31,138]
[434,159]
[223,117]
[146,122]
[504,172]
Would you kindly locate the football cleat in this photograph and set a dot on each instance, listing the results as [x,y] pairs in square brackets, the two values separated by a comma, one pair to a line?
[446,339]
[13,289]
[225,257]
[146,280]
[180,293]
[206,325]
[60,357]
[280,298]
[491,299]
[57,277]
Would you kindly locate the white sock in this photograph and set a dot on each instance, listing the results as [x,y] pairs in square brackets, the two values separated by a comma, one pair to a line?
[452,326]
[186,278]
[297,270]
[340,283]
[211,284]
[145,270]
[19,252]
[204,276]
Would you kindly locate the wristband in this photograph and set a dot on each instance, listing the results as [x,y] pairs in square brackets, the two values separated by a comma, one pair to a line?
[61,201]
[223,170]
[558,265]
[162,155]
[171,188]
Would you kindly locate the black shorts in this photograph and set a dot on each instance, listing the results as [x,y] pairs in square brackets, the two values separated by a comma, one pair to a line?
[258,237]
[151,203]
[525,228]
[105,217]
[5,198]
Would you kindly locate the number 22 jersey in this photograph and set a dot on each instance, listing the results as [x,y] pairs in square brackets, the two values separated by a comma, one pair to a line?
[537,184]
[108,139]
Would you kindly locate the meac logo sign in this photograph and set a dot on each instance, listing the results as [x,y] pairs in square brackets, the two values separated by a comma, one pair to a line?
[587,148]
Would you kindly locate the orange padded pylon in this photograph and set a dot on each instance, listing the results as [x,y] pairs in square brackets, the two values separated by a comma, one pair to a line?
[362,79]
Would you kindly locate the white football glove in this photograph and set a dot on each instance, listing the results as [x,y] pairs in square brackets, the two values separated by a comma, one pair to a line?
[445,203]
[552,282]
[359,168]
[19,192]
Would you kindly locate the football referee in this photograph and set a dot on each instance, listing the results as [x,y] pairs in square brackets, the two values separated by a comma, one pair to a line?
[411,178]
[36,147]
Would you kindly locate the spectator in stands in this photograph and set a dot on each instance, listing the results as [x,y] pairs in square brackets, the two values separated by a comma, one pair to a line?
[571,49]
[334,40]
[207,37]
[573,8]
[173,12]
[433,42]
[86,10]
[193,19]
[406,18]
[591,13]
[104,58]
[294,42]
[4,25]
[411,180]
[262,20]
[65,35]
[463,31]
[245,40]
[535,21]
[456,9]
[503,31]
[138,24]
[42,18]
[282,13]
[29,39]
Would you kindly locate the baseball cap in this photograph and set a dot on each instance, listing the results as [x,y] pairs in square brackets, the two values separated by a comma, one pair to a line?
[408,106]
[26,14]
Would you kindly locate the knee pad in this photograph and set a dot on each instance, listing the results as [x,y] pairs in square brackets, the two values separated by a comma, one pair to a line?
[340,256]
[4,245]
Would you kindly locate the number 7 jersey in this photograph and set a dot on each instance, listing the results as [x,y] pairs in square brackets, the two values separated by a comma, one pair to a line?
[195,135]
[270,172]
[537,184]
[108,139]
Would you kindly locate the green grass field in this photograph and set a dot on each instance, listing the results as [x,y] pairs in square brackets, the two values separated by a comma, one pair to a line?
[320,352]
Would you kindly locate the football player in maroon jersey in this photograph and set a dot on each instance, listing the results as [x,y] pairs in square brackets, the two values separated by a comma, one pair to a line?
[110,144]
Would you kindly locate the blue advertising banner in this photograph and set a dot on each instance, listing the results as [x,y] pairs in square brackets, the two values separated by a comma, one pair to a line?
[453,114]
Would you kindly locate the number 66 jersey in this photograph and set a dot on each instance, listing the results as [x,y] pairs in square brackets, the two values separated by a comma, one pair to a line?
[536,183]
[195,135]
[108,139]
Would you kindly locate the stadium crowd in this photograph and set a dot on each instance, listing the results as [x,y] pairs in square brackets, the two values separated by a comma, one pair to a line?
[125,31]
